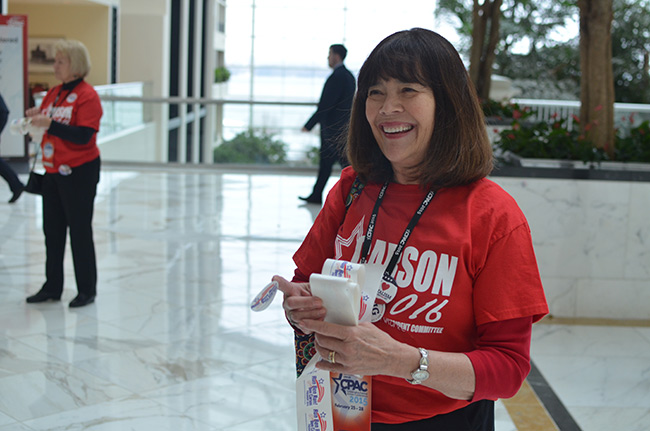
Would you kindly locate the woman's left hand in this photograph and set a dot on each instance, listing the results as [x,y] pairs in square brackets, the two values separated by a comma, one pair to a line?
[363,349]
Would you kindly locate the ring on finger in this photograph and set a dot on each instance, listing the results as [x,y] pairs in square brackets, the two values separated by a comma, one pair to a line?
[332,357]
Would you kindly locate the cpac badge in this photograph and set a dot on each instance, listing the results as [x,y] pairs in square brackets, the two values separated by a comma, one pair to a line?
[48,150]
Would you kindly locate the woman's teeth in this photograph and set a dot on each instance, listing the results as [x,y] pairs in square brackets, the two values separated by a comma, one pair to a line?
[397,129]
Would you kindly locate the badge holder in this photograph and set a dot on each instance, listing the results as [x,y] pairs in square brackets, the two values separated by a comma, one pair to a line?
[337,401]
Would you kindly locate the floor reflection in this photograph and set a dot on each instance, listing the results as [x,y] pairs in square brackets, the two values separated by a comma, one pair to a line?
[170,343]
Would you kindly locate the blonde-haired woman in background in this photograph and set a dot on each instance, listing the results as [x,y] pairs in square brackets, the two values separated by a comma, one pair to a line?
[70,113]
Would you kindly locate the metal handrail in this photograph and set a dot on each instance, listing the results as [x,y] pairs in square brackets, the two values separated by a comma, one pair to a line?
[545,110]
[202,101]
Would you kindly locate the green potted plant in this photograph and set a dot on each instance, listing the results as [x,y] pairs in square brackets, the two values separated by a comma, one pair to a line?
[249,147]
[221,74]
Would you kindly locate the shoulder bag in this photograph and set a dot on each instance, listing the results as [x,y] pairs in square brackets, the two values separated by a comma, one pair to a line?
[35,182]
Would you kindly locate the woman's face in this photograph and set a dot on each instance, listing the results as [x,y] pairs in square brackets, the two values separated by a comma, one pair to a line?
[401,116]
[62,70]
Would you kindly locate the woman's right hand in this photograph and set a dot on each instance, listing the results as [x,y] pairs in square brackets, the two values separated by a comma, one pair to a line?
[299,303]
[42,121]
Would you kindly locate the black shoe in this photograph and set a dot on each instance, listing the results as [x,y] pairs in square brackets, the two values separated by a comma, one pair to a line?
[82,300]
[16,195]
[311,199]
[42,296]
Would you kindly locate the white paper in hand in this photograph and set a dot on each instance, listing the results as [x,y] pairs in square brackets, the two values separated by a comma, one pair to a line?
[341,297]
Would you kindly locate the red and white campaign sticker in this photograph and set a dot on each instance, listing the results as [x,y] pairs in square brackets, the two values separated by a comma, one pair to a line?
[386,291]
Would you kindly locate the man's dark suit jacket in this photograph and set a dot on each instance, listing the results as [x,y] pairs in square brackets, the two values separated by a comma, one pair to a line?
[333,111]
[4,113]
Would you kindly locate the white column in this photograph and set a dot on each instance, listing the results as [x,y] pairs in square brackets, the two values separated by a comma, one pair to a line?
[182,79]
[252,67]
[148,22]
[198,67]
[208,73]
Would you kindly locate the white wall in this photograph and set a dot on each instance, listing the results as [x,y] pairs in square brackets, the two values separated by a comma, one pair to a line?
[144,44]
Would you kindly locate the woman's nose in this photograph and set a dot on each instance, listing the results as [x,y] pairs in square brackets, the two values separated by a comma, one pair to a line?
[391,104]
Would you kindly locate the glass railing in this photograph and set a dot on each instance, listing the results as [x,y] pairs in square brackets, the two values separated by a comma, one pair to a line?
[120,116]
[205,125]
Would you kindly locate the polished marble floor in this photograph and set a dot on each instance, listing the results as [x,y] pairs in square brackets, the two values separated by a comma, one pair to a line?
[171,344]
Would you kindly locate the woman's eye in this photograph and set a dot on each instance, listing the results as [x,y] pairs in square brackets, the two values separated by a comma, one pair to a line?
[374,92]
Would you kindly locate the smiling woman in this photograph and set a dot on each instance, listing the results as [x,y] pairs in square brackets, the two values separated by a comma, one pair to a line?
[455,248]
[401,117]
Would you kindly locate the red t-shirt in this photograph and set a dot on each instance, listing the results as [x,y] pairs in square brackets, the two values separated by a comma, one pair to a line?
[79,107]
[468,262]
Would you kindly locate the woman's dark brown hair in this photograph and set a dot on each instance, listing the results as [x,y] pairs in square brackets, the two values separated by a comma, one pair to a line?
[459,151]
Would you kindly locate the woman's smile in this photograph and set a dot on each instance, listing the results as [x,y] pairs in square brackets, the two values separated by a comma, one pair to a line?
[396,129]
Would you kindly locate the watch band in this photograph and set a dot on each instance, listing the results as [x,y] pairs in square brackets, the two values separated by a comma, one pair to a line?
[421,373]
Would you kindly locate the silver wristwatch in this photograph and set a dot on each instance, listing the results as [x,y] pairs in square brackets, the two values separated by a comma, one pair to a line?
[421,373]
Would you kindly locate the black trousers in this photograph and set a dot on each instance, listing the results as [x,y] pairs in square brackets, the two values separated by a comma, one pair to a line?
[478,416]
[10,177]
[68,204]
[329,154]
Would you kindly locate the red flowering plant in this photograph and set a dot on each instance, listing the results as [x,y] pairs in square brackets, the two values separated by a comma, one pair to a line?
[505,111]
[554,139]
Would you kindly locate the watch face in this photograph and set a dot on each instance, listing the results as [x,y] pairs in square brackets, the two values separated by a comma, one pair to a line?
[420,375]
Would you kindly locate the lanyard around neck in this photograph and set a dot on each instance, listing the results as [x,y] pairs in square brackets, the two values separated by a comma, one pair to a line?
[405,236]
[68,86]
[58,95]
[56,100]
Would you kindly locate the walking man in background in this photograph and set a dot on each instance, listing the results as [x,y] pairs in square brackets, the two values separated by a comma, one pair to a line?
[333,114]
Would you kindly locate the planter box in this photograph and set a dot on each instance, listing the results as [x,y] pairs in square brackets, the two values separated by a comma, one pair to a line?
[219,90]
[590,234]
[513,165]
[575,164]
